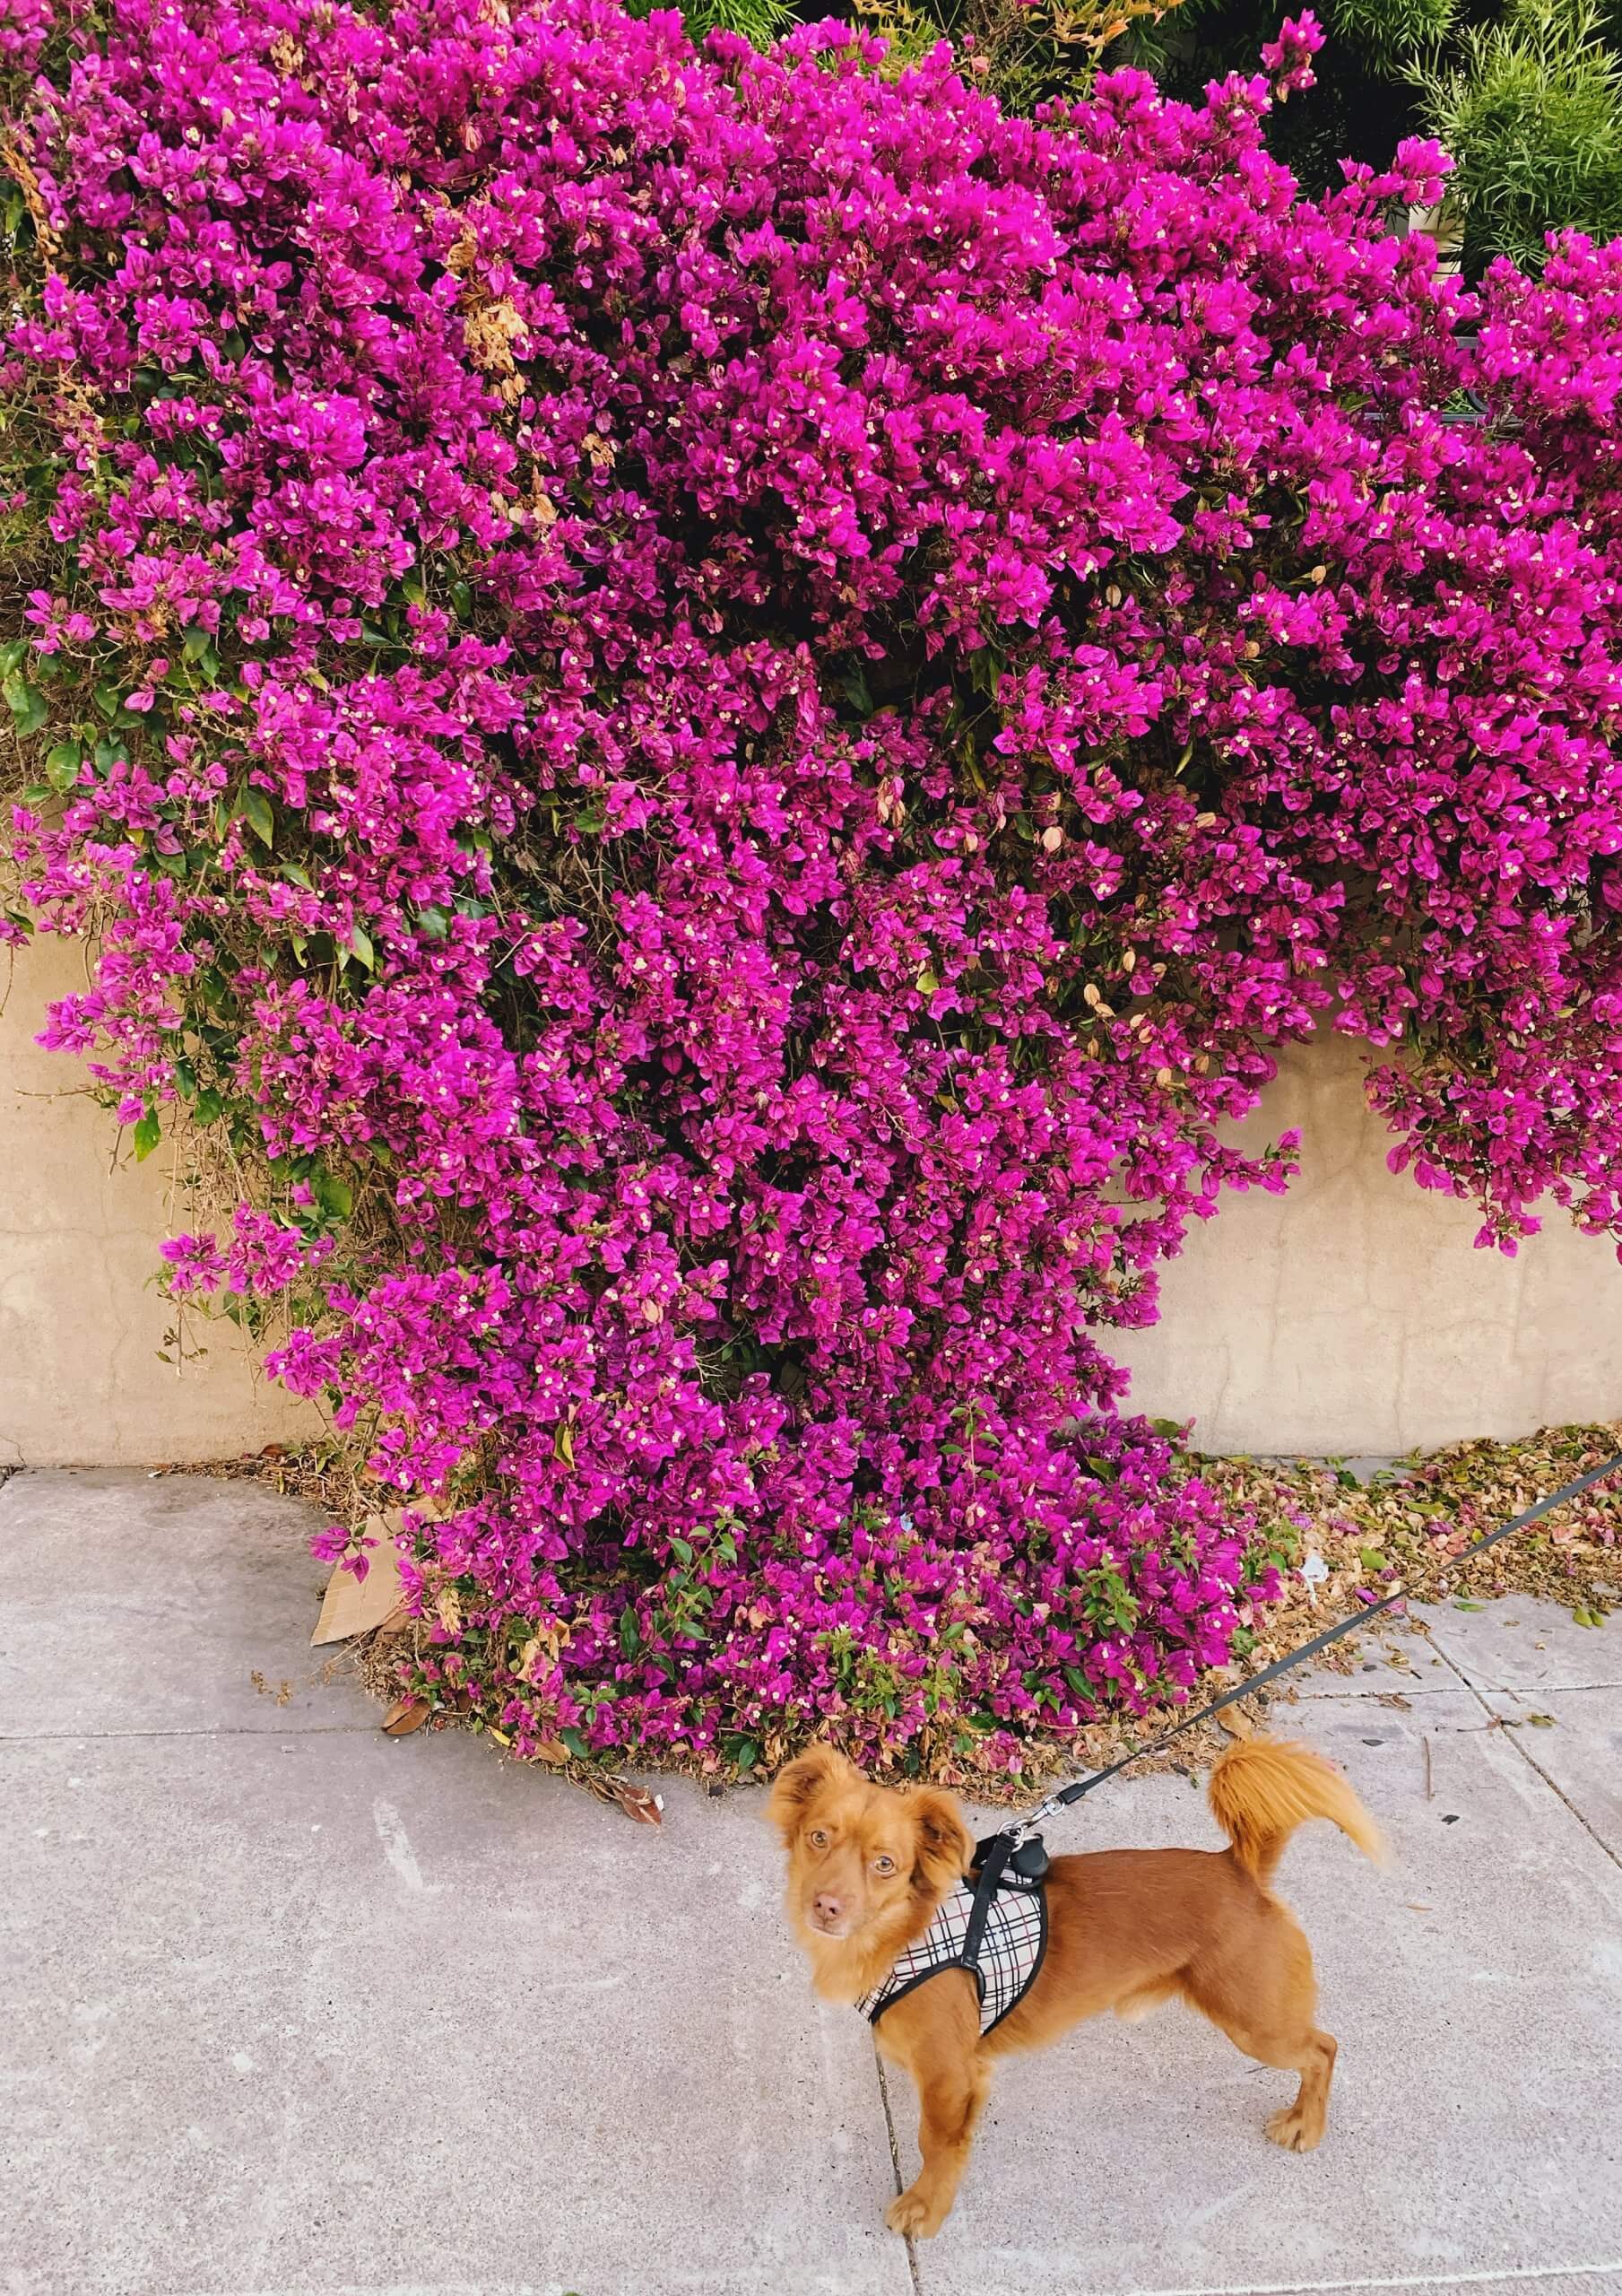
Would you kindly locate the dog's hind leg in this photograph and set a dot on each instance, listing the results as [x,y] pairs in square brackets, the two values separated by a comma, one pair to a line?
[1263,1998]
[1297,2127]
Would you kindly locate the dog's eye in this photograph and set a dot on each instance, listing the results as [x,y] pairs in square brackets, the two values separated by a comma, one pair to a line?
[884,1864]
[818,1838]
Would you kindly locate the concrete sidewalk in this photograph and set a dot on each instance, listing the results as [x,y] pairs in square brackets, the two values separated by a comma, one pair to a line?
[290,2009]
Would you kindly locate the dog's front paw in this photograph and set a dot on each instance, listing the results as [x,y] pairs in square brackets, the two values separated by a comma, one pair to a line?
[916,2215]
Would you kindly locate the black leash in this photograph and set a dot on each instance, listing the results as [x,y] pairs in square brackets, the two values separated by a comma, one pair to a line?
[1080,1786]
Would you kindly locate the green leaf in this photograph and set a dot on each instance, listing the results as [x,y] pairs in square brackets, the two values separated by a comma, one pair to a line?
[631,1633]
[194,643]
[575,1744]
[28,704]
[335,1196]
[682,1548]
[360,947]
[62,765]
[1168,1429]
[927,982]
[747,1753]
[207,1105]
[433,923]
[1462,1604]
[255,807]
[146,1136]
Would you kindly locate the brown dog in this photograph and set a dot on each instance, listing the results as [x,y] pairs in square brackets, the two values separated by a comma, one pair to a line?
[1128,1929]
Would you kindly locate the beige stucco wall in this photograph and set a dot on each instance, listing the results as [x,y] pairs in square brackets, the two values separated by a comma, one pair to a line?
[1353,1313]
[1350,1316]
[80,1324]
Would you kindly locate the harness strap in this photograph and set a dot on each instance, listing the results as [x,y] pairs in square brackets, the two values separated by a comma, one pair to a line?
[998,1851]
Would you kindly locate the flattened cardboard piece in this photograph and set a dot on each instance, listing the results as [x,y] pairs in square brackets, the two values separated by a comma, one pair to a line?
[352,1605]
[348,1608]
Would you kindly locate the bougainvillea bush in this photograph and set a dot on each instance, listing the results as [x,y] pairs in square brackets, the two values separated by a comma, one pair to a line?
[711,706]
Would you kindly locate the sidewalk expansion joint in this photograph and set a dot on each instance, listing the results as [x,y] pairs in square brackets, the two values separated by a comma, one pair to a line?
[1560,1793]
[895,2162]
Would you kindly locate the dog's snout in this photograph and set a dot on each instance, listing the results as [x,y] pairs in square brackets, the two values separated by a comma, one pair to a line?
[827,1907]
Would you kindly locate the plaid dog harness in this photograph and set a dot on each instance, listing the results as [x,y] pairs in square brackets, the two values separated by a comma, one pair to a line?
[994,1925]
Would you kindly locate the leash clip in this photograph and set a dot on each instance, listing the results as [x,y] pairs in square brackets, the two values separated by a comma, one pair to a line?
[1033,1818]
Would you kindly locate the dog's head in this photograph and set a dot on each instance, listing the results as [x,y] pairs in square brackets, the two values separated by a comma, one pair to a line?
[866,1864]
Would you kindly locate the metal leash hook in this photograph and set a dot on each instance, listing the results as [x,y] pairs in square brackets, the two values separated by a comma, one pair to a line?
[1067,1794]
[1027,1824]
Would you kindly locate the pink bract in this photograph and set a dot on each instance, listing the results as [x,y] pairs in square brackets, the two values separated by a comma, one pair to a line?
[723,705]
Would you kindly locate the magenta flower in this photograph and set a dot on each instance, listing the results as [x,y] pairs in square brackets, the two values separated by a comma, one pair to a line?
[730,705]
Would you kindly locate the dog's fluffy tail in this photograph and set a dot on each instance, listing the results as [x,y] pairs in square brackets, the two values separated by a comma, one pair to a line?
[1261,1790]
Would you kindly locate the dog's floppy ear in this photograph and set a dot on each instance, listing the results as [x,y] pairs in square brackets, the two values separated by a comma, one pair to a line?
[795,1788]
[944,1845]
